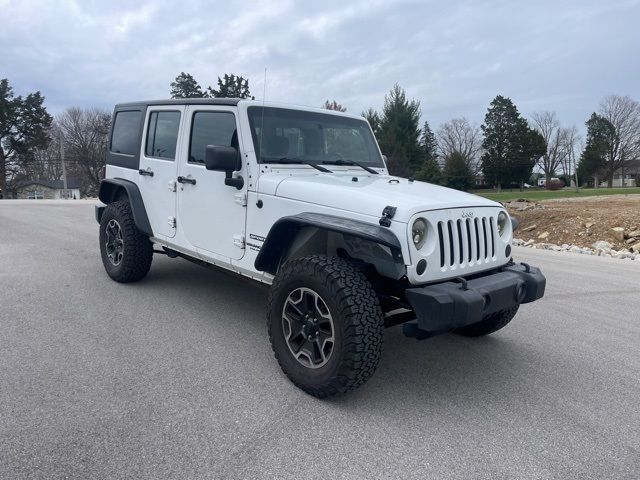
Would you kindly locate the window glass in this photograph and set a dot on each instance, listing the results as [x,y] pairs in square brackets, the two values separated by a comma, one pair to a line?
[162,134]
[320,137]
[211,128]
[125,132]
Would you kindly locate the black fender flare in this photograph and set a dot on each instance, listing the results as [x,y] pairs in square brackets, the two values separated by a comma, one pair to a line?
[285,229]
[111,190]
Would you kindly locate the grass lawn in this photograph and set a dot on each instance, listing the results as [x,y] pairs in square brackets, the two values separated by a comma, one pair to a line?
[529,194]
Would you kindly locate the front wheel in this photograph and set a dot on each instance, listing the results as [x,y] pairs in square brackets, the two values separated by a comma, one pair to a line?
[325,325]
[489,324]
[126,251]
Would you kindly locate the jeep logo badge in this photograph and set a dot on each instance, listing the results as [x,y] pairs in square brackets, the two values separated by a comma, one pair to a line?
[467,214]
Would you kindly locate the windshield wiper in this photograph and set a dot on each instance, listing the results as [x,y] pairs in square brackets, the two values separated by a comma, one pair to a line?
[296,160]
[342,161]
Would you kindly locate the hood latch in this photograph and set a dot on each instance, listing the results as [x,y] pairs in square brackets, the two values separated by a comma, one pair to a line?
[387,214]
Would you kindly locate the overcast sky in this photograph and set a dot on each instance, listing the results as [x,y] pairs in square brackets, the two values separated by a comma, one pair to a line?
[452,56]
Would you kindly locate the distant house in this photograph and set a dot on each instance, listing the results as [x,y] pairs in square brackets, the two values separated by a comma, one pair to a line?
[627,176]
[480,181]
[48,189]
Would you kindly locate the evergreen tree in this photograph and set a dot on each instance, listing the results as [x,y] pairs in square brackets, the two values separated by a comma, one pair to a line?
[185,86]
[456,172]
[333,105]
[374,120]
[600,137]
[399,133]
[230,86]
[24,123]
[511,148]
[430,170]
[429,143]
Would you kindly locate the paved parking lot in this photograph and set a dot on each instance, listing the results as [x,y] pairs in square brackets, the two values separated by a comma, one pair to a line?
[174,377]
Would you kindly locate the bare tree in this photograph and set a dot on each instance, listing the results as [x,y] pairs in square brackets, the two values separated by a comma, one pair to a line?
[624,115]
[571,145]
[46,163]
[458,136]
[547,124]
[86,133]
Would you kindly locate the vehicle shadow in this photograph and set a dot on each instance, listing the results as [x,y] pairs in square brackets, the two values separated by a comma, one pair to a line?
[447,368]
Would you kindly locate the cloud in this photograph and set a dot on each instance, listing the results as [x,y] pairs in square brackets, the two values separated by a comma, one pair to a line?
[135,18]
[452,56]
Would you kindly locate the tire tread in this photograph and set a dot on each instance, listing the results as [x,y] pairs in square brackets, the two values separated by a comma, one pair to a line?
[359,309]
[138,253]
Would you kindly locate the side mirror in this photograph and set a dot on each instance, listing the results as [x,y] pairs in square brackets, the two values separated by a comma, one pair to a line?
[221,159]
[224,159]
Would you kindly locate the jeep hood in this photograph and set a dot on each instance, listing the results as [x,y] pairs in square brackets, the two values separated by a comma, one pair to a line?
[370,194]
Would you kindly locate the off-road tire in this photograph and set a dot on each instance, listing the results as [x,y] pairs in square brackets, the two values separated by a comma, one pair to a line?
[357,318]
[137,251]
[490,324]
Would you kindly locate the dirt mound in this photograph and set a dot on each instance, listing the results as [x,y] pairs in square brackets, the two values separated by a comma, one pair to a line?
[580,221]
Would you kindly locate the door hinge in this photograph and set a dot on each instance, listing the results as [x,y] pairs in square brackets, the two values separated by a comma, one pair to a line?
[241,199]
[238,241]
[172,185]
[172,222]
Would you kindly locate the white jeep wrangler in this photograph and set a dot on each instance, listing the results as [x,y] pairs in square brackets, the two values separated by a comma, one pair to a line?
[301,199]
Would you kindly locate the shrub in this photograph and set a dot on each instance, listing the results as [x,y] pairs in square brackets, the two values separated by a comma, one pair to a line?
[566,179]
[555,184]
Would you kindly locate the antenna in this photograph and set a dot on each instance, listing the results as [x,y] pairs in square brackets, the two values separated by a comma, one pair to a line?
[264,94]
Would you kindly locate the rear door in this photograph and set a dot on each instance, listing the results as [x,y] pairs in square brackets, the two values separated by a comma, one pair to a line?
[211,214]
[158,166]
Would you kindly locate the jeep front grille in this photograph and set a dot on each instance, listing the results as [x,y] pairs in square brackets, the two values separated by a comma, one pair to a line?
[466,242]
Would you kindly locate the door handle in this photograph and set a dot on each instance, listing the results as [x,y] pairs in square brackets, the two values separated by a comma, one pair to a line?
[145,172]
[181,179]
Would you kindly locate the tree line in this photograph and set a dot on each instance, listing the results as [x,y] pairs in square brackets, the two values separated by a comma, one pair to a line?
[503,151]
[33,143]
[506,148]
[229,86]
[613,139]
[36,146]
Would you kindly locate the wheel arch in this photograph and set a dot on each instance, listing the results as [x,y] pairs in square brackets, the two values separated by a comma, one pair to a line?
[364,241]
[115,189]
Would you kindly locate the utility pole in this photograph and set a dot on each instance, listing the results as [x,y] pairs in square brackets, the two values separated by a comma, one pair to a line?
[575,167]
[64,167]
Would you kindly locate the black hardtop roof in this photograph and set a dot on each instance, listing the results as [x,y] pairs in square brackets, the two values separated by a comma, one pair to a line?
[183,101]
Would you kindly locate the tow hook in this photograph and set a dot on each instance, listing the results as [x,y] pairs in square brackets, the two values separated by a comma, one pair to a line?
[411,330]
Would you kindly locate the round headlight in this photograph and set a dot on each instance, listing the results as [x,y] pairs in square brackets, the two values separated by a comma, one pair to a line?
[419,232]
[503,218]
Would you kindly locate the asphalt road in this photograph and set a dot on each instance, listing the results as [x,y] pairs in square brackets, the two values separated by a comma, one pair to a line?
[174,377]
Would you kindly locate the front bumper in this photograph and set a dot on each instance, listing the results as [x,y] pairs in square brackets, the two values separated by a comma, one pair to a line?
[446,306]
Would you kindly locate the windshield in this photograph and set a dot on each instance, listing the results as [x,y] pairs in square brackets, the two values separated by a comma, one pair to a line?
[297,135]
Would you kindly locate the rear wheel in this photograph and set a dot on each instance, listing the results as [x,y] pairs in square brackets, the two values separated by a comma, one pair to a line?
[325,325]
[489,324]
[126,251]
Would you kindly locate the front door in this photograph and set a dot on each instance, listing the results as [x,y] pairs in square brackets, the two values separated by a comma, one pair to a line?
[158,168]
[211,214]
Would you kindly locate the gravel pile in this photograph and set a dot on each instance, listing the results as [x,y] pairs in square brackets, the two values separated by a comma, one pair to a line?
[600,248]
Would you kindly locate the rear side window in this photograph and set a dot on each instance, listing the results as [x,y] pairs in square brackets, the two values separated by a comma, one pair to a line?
[162,135]
[211,128]
[124,138]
